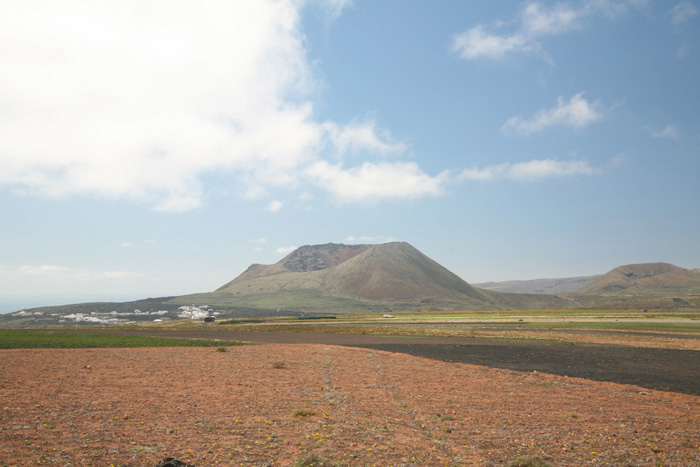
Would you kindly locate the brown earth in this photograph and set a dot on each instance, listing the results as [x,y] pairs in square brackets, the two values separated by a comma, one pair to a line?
[102,407]
[670,369]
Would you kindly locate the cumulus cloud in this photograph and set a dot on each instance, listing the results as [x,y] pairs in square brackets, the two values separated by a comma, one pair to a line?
[529,171]
[371,181]
[535,21]
[576,113]
[283,250]
[126,244]
[139,100]
[669,132]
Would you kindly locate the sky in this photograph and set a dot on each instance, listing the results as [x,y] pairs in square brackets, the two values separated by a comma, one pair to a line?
[152,148]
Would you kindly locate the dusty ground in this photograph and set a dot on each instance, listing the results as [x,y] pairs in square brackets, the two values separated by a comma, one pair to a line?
[636,362]
[99,407]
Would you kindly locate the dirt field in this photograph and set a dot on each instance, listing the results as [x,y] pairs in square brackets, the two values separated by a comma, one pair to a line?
[102,407]
[674,370]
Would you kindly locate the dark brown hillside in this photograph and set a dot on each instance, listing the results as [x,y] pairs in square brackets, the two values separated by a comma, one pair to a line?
[316,258]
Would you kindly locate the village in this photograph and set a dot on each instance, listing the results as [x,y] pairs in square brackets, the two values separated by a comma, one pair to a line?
[201,312]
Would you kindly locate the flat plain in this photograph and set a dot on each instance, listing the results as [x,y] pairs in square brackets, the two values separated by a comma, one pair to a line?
[276,402]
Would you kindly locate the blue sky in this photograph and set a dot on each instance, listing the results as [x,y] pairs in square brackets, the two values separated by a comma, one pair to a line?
[159,148]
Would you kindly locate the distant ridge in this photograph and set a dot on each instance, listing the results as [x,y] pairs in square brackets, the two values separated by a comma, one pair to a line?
[539,286]
[646,279]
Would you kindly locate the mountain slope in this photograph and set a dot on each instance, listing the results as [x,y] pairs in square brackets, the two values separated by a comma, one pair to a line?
[304,259]
[646,279]
[392,271]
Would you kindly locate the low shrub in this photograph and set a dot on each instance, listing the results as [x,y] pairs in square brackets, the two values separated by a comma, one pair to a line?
[303,413]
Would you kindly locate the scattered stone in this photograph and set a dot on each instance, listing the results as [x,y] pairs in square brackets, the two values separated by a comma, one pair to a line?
[172,462]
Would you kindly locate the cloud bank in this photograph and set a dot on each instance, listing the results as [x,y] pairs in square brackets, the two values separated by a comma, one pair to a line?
[156,101]
[140,100]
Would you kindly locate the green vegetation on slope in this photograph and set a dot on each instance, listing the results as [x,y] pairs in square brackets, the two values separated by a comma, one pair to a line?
[20,339]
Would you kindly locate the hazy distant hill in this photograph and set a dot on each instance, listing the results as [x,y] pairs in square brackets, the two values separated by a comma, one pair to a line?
[646,279]
[539,286]
[336,279]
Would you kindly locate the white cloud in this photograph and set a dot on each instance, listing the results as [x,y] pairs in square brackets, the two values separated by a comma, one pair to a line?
[274,206]
[669,132]
[126,244]
[528,171]
[139,99]
[361,136]
[576,113]
[683,12]
[259,240]
[539,21]
[476,43]
[535,21]
[283,250]
[370,182]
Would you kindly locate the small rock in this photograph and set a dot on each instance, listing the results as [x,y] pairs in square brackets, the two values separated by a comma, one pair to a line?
[172,462]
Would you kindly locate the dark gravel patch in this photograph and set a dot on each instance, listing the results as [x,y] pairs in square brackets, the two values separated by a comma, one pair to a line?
[662,369]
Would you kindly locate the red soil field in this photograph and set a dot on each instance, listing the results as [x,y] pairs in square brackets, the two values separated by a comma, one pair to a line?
[102,407]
